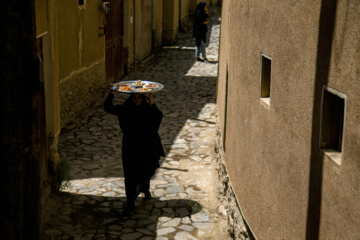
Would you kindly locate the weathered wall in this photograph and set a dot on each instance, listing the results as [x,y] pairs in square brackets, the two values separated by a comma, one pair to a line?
[41,17]
[237,225]
[145,28]
[272,151]
[147,18]
[223,73]
[157,28]
[81,56]
[340,184]
[187,15]
[80,92]
[51,86]
[128,35]
[170,21]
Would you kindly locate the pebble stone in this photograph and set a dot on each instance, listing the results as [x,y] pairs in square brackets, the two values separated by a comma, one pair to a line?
[90,207]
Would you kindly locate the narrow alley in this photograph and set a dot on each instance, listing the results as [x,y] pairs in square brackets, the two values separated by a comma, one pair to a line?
[185,203]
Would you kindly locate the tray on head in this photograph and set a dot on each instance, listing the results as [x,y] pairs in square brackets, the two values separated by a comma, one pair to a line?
[137,86]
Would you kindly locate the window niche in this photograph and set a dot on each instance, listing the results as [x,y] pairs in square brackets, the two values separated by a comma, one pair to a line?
[265,79]
[333,107]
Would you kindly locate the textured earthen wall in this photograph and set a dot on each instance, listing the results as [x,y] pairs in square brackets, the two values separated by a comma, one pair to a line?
[79,92]
[286,187]
[170,21]
[81,49]
[238,228]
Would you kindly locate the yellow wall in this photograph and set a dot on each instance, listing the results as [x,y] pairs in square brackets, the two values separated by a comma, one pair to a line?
[185,8]
[158,22]
[80,45]
[153,16]
[170,21]
[145,28]
[81,55]
[41,17]
[170,14]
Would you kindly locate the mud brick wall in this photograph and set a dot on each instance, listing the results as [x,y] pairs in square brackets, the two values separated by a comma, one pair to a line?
[81,91]
[238,227]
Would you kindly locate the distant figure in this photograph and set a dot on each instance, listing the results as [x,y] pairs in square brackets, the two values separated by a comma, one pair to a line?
[139,120]
[200,30]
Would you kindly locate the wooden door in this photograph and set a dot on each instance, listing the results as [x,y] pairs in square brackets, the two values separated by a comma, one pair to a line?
[114,32]
[145,29]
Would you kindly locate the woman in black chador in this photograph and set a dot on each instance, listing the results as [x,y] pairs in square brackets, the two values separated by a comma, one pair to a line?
[139,120]
[200,30]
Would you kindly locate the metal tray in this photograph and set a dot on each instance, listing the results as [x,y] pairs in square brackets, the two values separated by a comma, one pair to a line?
[136,89]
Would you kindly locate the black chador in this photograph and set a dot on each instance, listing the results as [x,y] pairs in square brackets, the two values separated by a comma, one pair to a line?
[141,144]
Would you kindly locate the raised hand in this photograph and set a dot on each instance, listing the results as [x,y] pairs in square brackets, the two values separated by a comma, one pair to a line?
[150,98]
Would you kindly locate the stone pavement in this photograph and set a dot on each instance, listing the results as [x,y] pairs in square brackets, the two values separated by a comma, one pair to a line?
[185,202]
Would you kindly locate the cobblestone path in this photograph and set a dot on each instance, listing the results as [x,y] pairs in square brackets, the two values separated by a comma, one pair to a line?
[184,188]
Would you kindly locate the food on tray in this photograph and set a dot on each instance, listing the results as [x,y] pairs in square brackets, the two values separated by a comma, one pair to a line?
[144,89]
[137,86]
[125,88]
[138,83]
[151,85]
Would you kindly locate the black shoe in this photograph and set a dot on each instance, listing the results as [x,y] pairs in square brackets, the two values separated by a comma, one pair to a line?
[199,59]
[147,195]
[127,211]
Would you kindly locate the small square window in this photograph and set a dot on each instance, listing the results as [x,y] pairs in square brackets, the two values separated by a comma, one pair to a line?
[265,80]
[332,123]
[81,2]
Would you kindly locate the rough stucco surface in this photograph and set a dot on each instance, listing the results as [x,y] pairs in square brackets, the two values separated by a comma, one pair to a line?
[269,149]
[81,57]
[238,228]
[79,92]
[80,44]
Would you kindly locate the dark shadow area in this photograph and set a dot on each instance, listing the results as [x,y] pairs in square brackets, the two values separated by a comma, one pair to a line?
[326,30]
[175,169]
[94,217]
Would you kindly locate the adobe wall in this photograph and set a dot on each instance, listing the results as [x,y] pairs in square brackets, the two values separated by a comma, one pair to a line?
[144,33]
[170,21]
[285,185]
[238,227]
[79,92]
[81,51]
[157,31]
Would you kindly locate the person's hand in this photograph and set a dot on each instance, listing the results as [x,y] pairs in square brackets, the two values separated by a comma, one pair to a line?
[111,88]
[150,98]
[206,22]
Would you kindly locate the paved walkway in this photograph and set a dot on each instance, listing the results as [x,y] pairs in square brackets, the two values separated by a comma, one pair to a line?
[184,189]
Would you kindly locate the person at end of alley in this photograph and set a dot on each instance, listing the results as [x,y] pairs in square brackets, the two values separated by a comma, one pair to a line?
[139,120]
[200,30]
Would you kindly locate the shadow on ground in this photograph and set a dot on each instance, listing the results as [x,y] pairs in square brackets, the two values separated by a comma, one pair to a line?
[98,217]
